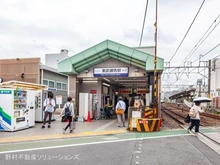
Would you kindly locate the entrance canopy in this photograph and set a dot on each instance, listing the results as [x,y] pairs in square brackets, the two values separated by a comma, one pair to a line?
[105,51]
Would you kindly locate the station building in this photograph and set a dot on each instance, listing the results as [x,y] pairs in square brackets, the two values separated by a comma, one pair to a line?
[110,69]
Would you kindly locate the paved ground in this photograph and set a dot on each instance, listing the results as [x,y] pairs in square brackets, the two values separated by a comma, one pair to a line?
[96,127]
[102,142]
[168,147]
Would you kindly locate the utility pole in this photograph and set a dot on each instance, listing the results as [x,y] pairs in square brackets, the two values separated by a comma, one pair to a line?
[209,79]
[199,82]
[155,105]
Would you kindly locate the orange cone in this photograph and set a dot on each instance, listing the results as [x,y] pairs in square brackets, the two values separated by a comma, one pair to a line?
[88,118]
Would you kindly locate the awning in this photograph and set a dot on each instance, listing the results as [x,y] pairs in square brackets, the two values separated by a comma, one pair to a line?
[20,84]
[105,51]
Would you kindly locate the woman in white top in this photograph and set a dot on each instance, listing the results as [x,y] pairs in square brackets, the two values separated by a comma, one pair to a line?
[70,117]
[195,121]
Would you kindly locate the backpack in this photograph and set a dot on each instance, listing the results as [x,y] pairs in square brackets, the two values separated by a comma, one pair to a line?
[192,112]
[67,111]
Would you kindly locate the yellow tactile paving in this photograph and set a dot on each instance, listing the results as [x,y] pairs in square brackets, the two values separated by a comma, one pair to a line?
[58,136]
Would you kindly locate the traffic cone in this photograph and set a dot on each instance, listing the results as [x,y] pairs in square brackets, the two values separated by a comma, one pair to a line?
[161,122]
[88,118]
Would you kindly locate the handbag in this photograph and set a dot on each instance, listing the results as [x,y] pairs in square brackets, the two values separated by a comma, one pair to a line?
[119,111]
[192,112]
[72,125]
[187,119]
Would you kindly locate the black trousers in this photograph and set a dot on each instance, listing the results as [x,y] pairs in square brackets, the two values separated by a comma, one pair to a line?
[45,117]
[70,118]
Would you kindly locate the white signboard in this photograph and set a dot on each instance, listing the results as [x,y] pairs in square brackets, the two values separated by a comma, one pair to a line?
[117,71]
[59,99]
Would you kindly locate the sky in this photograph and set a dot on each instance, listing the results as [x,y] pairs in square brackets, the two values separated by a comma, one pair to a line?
[33,28]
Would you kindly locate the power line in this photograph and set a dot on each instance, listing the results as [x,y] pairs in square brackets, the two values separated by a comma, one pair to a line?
[187,31]
[196,47]
[142,32]
[207,52]
[204,40]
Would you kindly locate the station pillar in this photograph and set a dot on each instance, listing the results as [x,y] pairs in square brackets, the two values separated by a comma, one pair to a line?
[72,86]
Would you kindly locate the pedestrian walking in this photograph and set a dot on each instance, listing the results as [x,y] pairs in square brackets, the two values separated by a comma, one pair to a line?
[195,117]
[126,104]
[68,111]
[49,105]
[121,117]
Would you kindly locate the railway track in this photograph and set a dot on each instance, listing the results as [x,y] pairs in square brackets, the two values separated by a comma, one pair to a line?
[187,110]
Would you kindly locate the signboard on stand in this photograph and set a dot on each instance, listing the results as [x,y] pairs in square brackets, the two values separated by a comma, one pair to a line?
[59,100]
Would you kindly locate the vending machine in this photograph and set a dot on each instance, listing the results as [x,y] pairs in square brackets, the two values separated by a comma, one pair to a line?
[17,109]
[40,97]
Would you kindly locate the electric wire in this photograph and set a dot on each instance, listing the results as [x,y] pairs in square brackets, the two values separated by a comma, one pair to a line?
[207,52]
[187,30]
[142,32]
[196,47]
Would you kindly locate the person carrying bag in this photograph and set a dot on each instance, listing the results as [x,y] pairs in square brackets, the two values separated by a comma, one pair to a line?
[68,111]
[120,109]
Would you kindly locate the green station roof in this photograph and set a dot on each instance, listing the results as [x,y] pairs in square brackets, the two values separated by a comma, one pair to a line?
[105,51]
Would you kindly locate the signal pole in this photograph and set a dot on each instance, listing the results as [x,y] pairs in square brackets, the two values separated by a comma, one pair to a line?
[155,104]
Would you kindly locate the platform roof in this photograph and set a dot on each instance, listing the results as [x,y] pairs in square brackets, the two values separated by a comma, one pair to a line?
[182,94]
[105,51]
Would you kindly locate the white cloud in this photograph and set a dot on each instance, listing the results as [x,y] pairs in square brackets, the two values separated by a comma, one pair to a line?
[38,27]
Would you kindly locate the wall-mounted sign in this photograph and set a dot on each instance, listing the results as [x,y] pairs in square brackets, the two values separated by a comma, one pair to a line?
[93,91]
[108,72]
[125,91]
[5,91]
[52,89]
[142,91]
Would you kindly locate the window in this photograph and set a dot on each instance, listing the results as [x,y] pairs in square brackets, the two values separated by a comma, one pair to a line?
[59,85]
[64,86]
[45,82]
[51,84]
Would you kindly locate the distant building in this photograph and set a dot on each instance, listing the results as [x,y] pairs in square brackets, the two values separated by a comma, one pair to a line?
[31,70]
[53,59]
[215,81]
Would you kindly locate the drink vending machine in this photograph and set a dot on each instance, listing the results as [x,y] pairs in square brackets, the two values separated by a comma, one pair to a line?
[40,97]
[17,106]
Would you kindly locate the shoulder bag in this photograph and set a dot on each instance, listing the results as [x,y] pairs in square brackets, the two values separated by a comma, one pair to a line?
[119,111]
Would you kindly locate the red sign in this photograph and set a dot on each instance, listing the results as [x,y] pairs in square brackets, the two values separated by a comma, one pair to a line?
[142,91]
[92,91]
[125,91]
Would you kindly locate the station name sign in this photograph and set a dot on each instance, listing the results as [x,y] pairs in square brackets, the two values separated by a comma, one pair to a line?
[108,72]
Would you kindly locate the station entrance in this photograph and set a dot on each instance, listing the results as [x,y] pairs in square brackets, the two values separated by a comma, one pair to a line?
[102,73]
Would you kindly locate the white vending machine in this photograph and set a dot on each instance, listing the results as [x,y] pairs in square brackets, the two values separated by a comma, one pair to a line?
[85,106]
[40,96]
[17,109]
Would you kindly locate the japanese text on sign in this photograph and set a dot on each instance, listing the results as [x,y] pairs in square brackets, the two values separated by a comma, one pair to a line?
[40,157]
